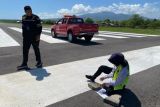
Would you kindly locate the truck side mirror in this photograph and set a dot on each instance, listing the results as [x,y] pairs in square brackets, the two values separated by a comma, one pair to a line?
[19,21]
[59,22]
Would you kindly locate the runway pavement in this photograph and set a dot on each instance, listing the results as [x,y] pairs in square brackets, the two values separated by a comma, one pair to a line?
[62,82]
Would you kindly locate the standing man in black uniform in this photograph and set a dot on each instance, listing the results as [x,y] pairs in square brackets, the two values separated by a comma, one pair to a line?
[32,28]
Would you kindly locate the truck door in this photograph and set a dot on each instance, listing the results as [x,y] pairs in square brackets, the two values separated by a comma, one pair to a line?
[63,27]
[58,26]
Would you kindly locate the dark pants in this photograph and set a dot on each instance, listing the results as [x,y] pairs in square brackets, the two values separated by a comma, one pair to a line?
[102,69]
[26,46]
[106,70]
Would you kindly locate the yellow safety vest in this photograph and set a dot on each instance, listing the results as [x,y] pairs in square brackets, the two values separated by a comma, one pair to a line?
[115,77]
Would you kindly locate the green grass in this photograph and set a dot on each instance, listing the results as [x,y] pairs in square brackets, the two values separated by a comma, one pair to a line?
[131,30]
[47,26]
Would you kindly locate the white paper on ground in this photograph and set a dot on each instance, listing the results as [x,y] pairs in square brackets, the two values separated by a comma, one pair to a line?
[102,93]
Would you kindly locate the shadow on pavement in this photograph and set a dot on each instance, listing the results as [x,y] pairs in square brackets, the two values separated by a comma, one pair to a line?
[81,42]
[39,73]
[84,43]
[129,99]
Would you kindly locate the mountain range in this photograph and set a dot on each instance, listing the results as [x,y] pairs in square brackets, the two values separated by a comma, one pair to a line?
[106,15]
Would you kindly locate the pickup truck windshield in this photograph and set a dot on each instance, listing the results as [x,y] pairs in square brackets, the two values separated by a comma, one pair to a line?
[75,21]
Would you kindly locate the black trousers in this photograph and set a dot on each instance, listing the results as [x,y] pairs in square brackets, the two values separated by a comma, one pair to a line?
[26,46]
[106,70]
[102,69]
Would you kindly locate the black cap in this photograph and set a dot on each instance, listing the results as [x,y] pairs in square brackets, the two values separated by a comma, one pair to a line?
[117,59]
[27,8]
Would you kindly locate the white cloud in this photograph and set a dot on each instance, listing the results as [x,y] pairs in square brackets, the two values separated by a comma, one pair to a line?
[63,11]
[46,15]
[147,10]
[150,10]
[81,9]
[76,9]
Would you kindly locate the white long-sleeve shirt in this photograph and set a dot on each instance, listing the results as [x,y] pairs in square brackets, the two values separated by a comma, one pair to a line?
[122,76]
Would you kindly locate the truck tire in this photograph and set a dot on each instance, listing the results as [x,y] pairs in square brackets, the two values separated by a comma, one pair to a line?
[53,33]
[88,38]
[71,37]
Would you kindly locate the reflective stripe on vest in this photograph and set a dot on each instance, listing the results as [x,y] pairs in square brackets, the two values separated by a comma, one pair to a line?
[116,75]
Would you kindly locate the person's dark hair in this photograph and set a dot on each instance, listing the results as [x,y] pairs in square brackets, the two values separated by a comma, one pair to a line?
[117,59]
[27,8]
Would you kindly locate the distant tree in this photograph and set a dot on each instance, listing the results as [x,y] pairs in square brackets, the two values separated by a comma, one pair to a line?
[116,23]
[154,24]
[136,21]
[123,23]
[99,22]
[107,21]
[48,21]
[89,20]
[146,23]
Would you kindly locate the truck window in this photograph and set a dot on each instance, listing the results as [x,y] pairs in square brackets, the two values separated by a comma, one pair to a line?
[75,21]
[60,21]
[64,21]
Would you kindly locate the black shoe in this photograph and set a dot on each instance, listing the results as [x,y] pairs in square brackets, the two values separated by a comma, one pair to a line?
[109,90]
[90,77]
[39,65]
[22,67]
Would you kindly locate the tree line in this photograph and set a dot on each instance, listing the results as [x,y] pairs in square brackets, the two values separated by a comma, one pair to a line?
[136,21]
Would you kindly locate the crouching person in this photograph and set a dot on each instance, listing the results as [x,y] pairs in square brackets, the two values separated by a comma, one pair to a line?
[117,77]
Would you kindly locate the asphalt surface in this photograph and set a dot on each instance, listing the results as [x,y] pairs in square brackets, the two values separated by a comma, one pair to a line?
[143,89]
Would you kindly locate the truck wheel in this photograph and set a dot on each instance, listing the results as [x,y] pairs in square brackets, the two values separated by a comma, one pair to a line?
[71,38]
[88,38]
[53,33]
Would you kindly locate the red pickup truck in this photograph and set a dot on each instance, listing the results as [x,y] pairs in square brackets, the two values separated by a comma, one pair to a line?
[73,27]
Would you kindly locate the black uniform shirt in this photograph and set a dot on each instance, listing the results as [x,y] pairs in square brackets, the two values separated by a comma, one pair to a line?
[31,26]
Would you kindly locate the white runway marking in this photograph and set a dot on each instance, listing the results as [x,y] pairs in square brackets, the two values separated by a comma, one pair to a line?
[49,39]
[123,33]
[111,36]
[47,31]
[16,29]
[47,28]
[44,37]
[6,40]
[66,80]
[97,39]
[94,38]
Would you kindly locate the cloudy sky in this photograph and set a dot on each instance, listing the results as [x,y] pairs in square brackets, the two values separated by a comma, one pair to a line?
[13,9]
